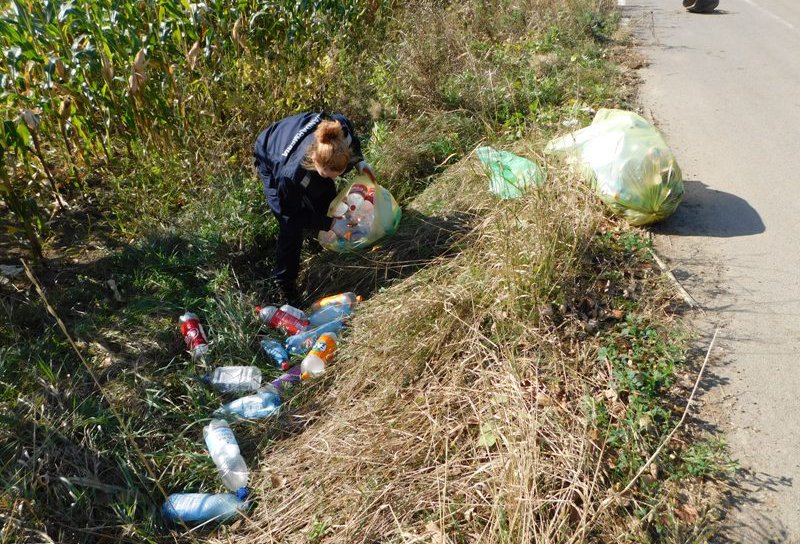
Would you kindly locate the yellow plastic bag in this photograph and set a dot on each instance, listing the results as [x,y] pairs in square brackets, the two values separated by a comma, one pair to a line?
[632,169]
[364,212]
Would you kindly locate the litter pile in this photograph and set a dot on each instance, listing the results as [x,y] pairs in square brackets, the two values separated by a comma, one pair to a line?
[312,337]
[624,157]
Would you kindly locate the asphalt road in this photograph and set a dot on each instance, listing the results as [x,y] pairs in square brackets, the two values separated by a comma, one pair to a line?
[725,90]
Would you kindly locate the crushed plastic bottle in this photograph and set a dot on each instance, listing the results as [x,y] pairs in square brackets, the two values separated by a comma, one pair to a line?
[266,402]
[300,343]
[234,379]
[224,451]
[193,335]
[276,352]
[347,299]
[321,354]
[280,319]
[194,508]
[327,314]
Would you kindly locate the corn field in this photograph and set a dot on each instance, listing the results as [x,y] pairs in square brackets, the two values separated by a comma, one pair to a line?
[86,80]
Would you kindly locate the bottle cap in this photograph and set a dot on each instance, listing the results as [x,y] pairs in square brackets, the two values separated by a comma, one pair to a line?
[359,298]
[205,378]
[305,376]
[285,365]
[242,493]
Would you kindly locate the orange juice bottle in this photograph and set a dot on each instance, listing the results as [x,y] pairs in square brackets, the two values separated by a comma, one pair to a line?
[320,355]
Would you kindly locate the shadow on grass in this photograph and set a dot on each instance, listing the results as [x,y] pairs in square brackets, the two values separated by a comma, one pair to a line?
[419,241]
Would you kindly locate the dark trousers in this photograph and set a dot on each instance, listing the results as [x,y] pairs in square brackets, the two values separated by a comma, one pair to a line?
[290,236]
[287,252]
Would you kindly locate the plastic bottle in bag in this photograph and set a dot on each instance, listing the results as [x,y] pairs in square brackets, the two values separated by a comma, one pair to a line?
[266,402]
[234,379]
[281,319]
[201,507]
[314,363]
[301,343]
[224,451]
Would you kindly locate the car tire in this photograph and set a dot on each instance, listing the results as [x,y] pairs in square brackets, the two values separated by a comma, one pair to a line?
[700,6]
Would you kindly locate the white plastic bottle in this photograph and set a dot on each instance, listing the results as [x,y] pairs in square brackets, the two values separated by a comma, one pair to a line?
[224,451]
[203,507]
[234,379]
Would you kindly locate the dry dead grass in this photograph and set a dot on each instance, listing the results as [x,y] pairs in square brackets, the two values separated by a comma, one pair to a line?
[453,411]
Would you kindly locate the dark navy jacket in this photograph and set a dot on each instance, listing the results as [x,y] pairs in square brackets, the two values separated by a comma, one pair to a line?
[292,191]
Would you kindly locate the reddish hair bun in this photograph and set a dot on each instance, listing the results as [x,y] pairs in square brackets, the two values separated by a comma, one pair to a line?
[329,131]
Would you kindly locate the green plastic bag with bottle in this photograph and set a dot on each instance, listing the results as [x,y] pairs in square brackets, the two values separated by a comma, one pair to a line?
[628,163]
[509,175]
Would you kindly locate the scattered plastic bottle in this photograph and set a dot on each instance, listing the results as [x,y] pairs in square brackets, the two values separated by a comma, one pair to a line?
[264,403]
[327,314]
[193,335]
[342,299]
[301,343]
[291,310]
[314,363]
[224,451]
[234,379]
[202,507]
[276,352]
[290,378]
[279,319]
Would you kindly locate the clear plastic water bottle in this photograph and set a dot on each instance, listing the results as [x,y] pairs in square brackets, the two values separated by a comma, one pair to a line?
[345,299]
[321,354]
[266,402]
[291,310]
[279,319]
[327,314]
[354,202]
[276,352]
[301,343]
[224,451]
[193,508]
[234,379]
[361,211]
[193,335]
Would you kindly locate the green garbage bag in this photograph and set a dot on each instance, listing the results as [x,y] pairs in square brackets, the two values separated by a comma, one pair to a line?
[364,212]
[629,164]
[509,175]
